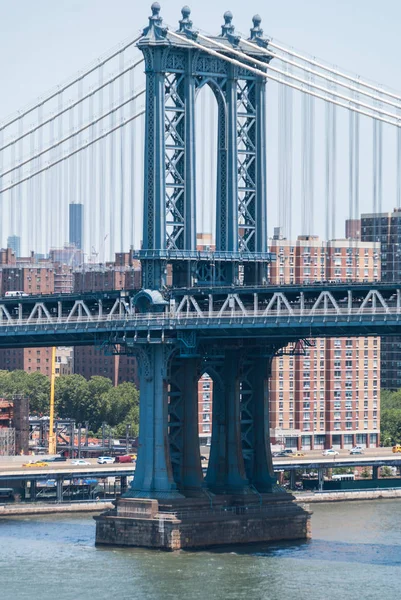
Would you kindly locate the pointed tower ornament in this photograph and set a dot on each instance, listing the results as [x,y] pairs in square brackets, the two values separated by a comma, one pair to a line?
[185,22]
[228,28]
[155,29]
[256,30]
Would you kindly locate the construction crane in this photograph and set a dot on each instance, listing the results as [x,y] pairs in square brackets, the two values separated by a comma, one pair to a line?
[52,437]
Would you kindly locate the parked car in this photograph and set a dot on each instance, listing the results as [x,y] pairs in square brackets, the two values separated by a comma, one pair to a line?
[356,450]
[80,462]
[330,452]
[105,460]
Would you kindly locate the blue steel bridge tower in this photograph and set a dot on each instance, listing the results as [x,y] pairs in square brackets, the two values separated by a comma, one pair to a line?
[175,73]
[169,466]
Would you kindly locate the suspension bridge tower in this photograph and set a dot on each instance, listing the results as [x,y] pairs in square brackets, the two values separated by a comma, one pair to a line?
[170,504]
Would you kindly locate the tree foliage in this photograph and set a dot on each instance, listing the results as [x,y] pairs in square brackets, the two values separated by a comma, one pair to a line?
[95,401]
[390,417]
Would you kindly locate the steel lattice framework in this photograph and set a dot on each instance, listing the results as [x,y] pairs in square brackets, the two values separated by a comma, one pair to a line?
[175,74]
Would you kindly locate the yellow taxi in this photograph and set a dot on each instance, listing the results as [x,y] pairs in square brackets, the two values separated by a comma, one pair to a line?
[38,463]
[297,454]
[396,448]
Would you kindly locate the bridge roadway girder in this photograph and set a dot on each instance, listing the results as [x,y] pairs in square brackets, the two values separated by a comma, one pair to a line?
[281,313]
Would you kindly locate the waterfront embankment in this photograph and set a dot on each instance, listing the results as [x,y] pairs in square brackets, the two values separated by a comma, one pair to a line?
[20,508]
[38,508]
[348,496]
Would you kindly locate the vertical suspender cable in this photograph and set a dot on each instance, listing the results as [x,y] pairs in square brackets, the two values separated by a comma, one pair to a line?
[308,135]
[112,166]
[333,171]
[93,210]
[60,175]
[398,193]
[131,205]
[99,175]
[121,240]
[2,203]
[212,177]
[39,242]
[285,127]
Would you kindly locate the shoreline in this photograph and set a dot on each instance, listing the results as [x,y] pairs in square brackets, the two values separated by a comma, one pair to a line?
[16,509]
[8,510]
[348,496]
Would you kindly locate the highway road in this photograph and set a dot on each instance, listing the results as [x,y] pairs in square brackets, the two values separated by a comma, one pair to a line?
[13,466]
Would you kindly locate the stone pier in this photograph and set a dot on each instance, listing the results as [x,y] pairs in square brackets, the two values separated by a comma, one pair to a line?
[200,524]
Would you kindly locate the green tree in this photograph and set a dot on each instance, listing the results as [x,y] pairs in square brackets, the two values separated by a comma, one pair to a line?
[72,396]
[98,405]
[390,417]
[122,401]
[35,386]
[38,391]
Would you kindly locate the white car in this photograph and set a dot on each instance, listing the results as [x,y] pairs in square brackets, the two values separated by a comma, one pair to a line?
[80,462]
[105,460]
[330,452]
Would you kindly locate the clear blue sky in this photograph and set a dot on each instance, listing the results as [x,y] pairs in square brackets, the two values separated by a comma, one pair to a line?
[42,42]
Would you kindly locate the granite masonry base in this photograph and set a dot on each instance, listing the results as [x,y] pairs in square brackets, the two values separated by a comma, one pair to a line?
[200,523]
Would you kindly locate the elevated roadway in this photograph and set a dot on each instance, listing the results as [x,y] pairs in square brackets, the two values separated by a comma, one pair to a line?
[278,313]
[314,461]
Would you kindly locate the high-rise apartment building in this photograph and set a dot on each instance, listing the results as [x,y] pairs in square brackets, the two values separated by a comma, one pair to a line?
[384,231]
[325,393]
[76,224]
[14,242]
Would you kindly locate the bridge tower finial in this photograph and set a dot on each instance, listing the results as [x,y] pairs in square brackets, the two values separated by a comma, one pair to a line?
[256,30]
[155,23]
[185,22]
[228,28]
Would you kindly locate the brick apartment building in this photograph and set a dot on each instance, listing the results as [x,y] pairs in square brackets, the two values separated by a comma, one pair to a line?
[125,274]
[41,276]
[326,394]
[32,276]
[384,231]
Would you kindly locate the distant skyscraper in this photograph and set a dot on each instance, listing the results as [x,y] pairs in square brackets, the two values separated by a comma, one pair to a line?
[14,242]
[76,225]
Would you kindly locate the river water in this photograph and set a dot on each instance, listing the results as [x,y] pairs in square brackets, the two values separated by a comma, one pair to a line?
[355,553]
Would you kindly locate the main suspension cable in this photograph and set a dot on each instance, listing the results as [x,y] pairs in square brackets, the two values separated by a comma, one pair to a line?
[71,135]
[63,88]
[54,116]
[292,85]
[73,153]
[305,82]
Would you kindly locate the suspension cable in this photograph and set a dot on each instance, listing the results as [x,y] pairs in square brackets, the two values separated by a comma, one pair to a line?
[71,135]
[326,98]
[60,90]
[309,83]
[73,153]
[21,136]
[311,61]
[359,81]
